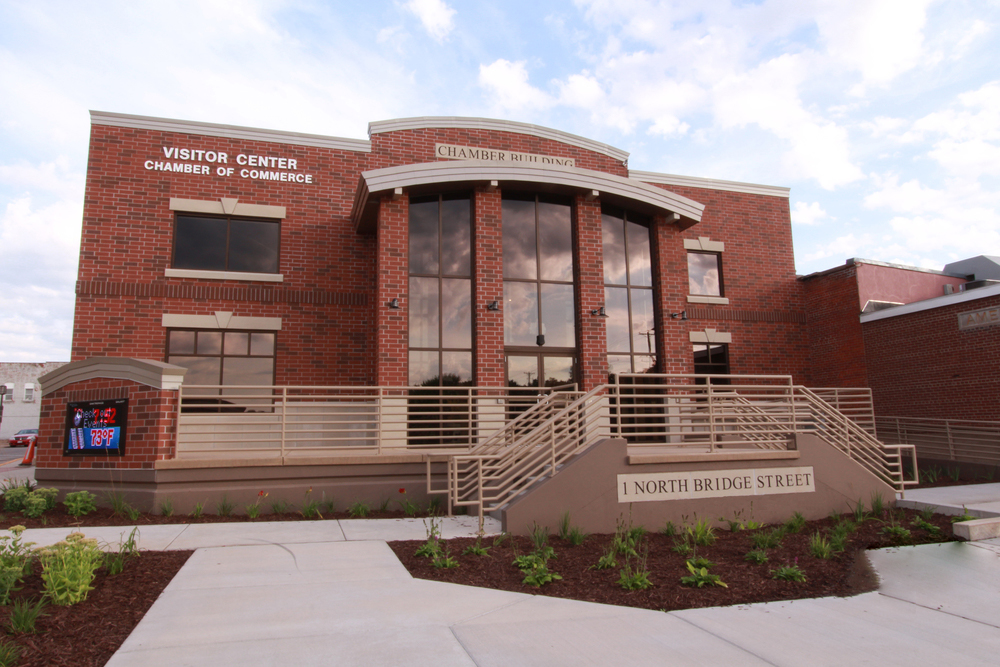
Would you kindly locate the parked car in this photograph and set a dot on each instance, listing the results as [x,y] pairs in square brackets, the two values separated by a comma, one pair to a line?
[24,437]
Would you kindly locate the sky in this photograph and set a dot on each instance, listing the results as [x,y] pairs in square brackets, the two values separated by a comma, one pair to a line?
[882,116]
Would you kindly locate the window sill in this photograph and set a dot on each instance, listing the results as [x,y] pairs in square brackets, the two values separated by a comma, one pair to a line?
[717,300]
[224,275]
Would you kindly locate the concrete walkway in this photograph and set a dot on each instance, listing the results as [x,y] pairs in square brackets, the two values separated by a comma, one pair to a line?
[979,500]
[333,593]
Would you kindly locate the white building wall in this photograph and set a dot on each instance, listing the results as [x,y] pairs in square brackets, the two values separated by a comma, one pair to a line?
[19,413]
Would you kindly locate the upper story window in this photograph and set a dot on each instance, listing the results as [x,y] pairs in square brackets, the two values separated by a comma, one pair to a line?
[628,291]
[226,243]
[440,291]
[538,272]
[29,393]
[705,284]
[8,392]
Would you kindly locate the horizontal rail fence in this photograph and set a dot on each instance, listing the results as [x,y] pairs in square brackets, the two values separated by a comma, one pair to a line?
[703,413]
[255,421]
[855,402]
[563,424]
[959,440]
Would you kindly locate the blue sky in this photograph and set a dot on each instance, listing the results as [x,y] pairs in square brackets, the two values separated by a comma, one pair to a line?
[882,116]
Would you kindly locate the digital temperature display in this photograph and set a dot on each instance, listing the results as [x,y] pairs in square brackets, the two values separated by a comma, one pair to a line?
[96,427]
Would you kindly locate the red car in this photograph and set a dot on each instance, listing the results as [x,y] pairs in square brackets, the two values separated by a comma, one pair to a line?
[24,437]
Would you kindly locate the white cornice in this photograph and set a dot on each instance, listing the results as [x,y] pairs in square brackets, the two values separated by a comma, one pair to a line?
[494,125]
[930,304]
[144,371]
[710,184]
[228,131]
[609,187]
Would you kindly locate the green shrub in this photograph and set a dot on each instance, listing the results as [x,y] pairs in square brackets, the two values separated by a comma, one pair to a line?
[34,506]
[13,499]
[80,503]
[756,556]
[69,567]
[15,562]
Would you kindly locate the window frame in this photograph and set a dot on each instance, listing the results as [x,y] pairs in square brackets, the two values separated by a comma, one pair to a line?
[706,246]
[222,354]
[538,281]
[644,221]
[440,276]
[229,218]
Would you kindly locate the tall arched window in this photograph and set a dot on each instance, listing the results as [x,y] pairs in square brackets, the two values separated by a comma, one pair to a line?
[628,291]
[440,291]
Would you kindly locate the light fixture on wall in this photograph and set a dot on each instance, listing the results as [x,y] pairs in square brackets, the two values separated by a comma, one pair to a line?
[394,304]
[493,305]
[679,316]
[599,312]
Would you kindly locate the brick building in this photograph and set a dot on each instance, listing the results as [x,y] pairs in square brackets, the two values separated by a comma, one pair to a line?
[440,252]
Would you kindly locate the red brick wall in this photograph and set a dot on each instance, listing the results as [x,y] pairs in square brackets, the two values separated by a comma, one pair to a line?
[151,429]
[591,331]
[336,326]
[838,346]
[922,365]
[126,244]
[487,286]
[392,341]
[765,314]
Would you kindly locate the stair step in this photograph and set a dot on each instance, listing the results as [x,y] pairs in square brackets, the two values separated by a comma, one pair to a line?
[977,529]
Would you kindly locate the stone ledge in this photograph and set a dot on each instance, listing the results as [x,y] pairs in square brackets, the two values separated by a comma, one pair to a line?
[717,456]
[977,529]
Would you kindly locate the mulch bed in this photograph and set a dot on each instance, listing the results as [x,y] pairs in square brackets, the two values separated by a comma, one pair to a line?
[88,633]
[846,574]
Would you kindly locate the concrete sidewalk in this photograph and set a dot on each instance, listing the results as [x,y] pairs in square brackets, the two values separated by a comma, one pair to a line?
[979,500]
[341,601]
[333,593]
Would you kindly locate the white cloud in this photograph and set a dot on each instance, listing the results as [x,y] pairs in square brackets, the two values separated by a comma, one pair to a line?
[435,15]
[841,247]
[509,89]
[768,97]
[881,39]
[53,177]
[808,214]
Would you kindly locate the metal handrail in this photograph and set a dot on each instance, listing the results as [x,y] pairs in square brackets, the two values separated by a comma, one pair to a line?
[959,440]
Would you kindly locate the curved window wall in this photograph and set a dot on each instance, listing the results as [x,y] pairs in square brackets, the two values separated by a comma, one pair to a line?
[539,301]
[440,291]
[628,292]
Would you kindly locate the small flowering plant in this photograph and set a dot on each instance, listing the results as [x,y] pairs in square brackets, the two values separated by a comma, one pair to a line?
[409,508]
[69,567]
[253,509]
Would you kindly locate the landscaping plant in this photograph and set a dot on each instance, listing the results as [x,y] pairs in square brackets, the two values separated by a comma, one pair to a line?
[409,508]
[80,503]
[310,507]
[253,509]
[15,562]
[69,567]
[789,573]
[358,510]
[756,556]
[224,507]
[700,576]
[167,507]
[23,616]
[127,550]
